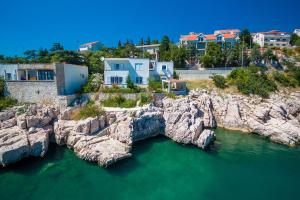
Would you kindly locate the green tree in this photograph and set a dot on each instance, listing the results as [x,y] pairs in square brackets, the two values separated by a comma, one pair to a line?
[129,83]
[268,56]
[213,56]
[119,44]
[206,61]
[2,86]
[295,40]
[56,47]
[255,56]
[245,36]
[30,54]
[141,41]
[164,48]
[148,41]
[155,41]
[71,57]
[178,55]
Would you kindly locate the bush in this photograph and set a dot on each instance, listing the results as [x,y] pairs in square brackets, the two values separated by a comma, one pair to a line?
[90,110]
[93,84]
[252,80]
[154,85]
[284,80]
[119,101]
[145,99]
[6,102]
[116,89]
[219,81]
[295,73]
[129,83]
[2,85]
[170,95]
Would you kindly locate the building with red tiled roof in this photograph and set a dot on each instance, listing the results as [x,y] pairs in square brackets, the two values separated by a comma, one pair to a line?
[200,40]
[91,46]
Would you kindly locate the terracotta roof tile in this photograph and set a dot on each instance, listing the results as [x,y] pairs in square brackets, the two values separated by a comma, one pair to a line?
[210,37]
[226,36]
[190,37]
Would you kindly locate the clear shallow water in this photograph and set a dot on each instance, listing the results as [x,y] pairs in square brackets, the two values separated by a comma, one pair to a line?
[239,166]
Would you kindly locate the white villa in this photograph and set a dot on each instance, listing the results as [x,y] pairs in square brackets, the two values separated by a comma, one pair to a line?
[35,83]
[116,71]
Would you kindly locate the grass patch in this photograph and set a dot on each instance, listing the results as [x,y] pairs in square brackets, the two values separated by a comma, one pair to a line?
[116,89]
[89,110]
[119,101]
[7,102]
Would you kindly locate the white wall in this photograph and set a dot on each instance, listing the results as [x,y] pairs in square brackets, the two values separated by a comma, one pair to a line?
[127,67]
[168,72]
[259,39]
[9,68]
[75,77]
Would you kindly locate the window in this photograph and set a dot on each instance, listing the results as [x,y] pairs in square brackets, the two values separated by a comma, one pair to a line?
[164,67]
[32,75]
[116,80]
[151,66]
[139,80]
[8,76]
[46,74]
[138,66]
[117,66]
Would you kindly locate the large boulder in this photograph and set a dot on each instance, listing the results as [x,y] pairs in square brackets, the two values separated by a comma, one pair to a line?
[16,144]
[184,120]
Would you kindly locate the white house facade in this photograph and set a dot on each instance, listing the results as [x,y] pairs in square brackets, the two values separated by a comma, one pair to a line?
[272,38]
[35,83]
[116,71]
[297,32]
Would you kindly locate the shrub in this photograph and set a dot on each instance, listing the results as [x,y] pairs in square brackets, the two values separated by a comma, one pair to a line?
[295,73]
[90,110]
[219,81]
[2,85]
[93,84]
[116,89]
[145,99]
[284,80]
[170,95]
[252,80]
[129,83]
[119,101]
[154,85]
[6,102]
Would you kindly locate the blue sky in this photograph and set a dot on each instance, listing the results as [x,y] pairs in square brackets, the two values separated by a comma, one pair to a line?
[32,24]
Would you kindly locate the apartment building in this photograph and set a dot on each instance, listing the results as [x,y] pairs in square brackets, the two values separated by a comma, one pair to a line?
[274,38]
[226,38]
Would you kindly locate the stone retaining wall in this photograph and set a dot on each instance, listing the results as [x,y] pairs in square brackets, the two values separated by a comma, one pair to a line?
[32,91]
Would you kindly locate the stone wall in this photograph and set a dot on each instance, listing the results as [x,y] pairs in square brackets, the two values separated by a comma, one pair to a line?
[202,74]
[32,91]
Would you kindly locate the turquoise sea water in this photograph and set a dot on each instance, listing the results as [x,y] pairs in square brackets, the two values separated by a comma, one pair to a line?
[239,166]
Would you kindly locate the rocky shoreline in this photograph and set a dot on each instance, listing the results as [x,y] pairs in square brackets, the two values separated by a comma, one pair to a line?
[27,130]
